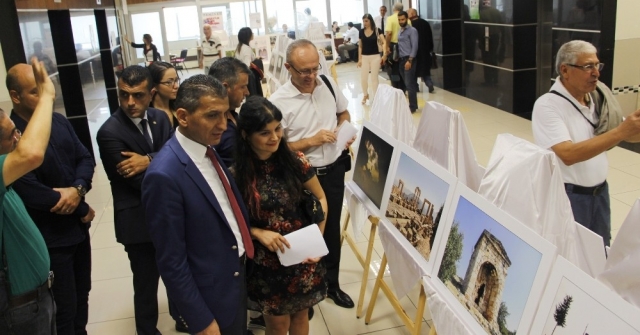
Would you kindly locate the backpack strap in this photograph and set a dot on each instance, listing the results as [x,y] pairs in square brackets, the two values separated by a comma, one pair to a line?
[326,82]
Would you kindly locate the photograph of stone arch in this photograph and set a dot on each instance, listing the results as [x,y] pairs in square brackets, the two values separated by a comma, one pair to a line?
[493,265]
[416,203]
[593,309]
[373,160]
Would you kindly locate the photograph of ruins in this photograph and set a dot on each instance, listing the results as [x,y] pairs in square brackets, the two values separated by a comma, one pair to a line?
[372,165]
[488,268]
[416,203]
[575,310]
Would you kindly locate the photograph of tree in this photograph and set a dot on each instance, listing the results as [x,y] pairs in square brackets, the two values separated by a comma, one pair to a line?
[488,269]
[416,204]
[576,311]
[372,165]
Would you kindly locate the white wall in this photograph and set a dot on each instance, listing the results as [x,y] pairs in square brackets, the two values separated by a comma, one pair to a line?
[626,67]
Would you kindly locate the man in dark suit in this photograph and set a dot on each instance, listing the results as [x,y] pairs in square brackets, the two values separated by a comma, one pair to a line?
[196,217]
[425,47]
[128,141]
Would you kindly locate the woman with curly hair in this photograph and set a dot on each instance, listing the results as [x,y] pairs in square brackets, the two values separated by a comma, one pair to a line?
[272,180]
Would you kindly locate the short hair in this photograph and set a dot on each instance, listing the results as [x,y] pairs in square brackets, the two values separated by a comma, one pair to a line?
[307,11]
[196,87]
[295,45]
[403,13]
[157,70]
[350,24]
[2,116]
[12,82]
[135,75]
[569,52]
[227,69]
[398,7]
[383,6]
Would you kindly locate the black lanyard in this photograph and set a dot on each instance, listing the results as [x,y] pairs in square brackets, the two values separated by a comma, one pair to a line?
[594,125]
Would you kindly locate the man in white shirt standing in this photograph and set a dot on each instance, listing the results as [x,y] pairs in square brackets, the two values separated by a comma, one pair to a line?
[210,48]
[312,109]
[351,38]
[565,119]
[380,19]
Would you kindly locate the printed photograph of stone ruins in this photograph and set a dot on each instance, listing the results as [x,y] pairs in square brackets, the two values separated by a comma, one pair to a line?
[576,311]
[416,203]
[372,165]
[488,269]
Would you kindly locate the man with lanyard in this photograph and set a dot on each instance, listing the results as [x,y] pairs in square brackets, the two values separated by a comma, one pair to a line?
[26,301]
[210,48]
[408,49]
[312,109]
[565,119]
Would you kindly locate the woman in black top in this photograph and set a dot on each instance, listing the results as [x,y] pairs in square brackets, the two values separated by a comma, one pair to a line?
[147,47]
[369,59]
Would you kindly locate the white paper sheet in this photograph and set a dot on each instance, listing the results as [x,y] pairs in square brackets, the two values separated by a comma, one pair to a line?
[345,132]
[305,243]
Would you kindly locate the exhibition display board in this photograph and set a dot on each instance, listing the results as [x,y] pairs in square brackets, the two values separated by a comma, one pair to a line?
[483,271]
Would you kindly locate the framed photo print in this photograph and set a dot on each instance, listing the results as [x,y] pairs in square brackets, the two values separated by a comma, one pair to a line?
[373,160]
[326,47]
[492,266]
[575,303]
[279,66]
[416,200]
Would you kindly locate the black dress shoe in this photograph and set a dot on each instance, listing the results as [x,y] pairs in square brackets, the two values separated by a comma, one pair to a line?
[340,298]
[180,328]
[311,312]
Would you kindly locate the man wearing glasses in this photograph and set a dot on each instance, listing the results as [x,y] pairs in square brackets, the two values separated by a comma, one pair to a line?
[128,141]
[313,108]
[566,120]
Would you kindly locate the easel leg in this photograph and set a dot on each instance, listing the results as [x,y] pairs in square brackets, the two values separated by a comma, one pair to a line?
[367,262]
[376,289]
[422,301]
[433,330]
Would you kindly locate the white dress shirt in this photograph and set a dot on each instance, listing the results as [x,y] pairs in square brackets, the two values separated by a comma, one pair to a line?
[305,114]
[352,35]
[198,154]
[137,120]
[555,120]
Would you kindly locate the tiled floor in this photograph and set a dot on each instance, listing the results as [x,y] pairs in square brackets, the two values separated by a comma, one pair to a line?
[111,299]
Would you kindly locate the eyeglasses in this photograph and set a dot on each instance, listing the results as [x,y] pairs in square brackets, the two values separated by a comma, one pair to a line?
[307,73]
[588,67]
[171,82]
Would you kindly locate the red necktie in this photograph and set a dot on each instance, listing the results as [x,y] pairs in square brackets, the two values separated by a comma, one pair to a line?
[244,231]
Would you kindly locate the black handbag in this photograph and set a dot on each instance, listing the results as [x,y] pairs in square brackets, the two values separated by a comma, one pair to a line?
[311,208]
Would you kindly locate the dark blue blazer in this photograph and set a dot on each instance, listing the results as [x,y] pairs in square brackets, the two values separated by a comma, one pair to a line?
[119,134]
[196,250]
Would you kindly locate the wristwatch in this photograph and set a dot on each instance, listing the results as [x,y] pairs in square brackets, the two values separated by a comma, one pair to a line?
[82,191]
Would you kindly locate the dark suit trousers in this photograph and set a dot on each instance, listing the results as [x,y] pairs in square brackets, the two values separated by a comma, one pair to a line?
[239,325]
[333,186]
[142,257]
[71,266]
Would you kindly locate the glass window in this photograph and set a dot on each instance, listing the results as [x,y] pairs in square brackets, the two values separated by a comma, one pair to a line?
[147,23]
[345,11]
[279,12]
[373,8]
[236,15]
[181,23]
[85,33]
[318,11]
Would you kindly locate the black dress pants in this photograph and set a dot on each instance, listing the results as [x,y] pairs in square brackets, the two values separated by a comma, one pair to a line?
[71,266]
[142,257]
[333,186]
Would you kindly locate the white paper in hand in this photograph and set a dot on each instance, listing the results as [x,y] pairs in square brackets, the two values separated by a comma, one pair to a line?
[305,243]
[346,132]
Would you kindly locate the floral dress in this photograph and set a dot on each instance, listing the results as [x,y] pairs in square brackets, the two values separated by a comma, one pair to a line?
[273,288]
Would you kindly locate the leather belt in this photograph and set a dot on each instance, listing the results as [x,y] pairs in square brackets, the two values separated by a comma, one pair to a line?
[210,55]
[324,170]
[30,296]
[593,190]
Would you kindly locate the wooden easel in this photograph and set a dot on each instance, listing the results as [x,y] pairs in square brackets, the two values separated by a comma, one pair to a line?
[364,261]
[412,325]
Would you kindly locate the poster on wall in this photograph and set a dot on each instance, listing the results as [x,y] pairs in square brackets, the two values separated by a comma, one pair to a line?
[214,19]
[492,265]
[255,20]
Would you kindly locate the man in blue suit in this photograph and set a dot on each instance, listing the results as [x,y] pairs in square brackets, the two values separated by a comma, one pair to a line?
[196,217]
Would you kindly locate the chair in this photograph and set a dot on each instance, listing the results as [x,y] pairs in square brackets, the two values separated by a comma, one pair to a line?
[181,59]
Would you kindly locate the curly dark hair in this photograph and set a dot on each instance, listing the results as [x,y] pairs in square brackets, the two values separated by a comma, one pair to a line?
[254,116]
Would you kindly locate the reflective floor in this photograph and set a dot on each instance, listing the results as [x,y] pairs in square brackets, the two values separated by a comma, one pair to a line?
[111,298]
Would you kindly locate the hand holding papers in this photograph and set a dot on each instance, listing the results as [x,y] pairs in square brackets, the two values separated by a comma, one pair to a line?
[344,134]
[305,243]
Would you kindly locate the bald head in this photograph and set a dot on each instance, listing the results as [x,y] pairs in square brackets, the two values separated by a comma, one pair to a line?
[22,87]
[413,13]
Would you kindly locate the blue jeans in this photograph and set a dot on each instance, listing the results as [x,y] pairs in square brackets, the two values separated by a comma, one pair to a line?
[36,317]
[593,211]
[410,82]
